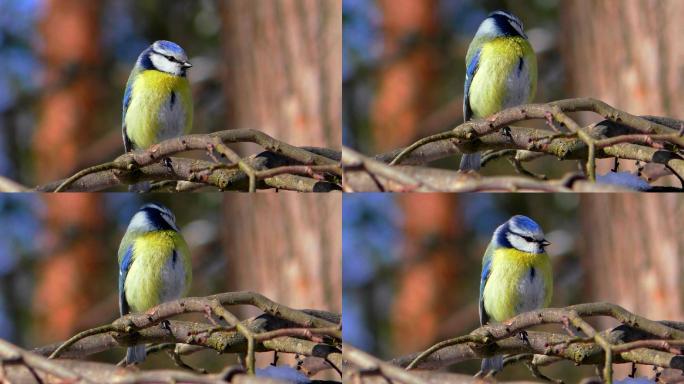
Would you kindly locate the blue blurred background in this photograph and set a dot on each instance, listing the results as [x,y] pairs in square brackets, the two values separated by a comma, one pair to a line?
[431,87]
[404,66]
[412,263]
[58,259]
[274,66]
[34,70]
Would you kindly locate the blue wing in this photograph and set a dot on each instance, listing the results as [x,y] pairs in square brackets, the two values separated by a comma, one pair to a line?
[123,272]
[128,145]
[470,73]
[486,271]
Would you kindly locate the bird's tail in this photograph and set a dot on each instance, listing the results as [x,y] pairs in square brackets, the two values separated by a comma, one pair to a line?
[470,161]
[142,187]
[491,364]
[135,355]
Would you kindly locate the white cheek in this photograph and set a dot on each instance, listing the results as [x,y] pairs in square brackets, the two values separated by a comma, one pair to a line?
[520,244]
[165,65]
[139,222]
[488,27]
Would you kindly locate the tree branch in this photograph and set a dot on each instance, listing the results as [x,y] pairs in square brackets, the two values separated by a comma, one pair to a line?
[638,340]
[248,174]
[362,174]
[280,328]
[622,135]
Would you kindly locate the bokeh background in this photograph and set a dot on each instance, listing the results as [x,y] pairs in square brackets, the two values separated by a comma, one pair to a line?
[412,263]
[404,64]
[268,65]
[58,259]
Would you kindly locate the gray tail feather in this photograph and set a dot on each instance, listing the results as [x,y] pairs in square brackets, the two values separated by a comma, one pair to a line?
[141,187]
[135,355]
[491,364]
[470,161]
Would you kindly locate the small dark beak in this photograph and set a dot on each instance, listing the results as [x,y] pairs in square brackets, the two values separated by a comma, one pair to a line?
[186,65]
[545,243]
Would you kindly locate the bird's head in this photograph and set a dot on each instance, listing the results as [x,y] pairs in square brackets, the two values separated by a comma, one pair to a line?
[501,24]
[165,56]
[522,233]
[153,217]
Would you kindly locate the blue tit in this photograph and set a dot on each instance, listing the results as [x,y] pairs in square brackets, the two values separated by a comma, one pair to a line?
[157,103]
[501,72]
[516,276]
[154,265]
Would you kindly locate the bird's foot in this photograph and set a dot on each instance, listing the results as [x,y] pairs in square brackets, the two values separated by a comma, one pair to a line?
[506,131]
[523,336]
[165,325]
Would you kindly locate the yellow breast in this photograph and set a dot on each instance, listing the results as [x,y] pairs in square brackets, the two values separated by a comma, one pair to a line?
[498,83]
[149,118]
[144,280]
[508,281]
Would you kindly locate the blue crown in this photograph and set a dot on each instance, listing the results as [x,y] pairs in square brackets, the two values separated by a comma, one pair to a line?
[525,223]
[521,222]
[169,46]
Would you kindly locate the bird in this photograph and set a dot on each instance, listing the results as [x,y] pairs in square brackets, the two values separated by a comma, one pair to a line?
[154,265]
[157,102]
[501,72]
[516,276]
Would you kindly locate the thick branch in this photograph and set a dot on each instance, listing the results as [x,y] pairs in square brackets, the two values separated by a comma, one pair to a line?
[282,329]
[208,174]
[637,340]
[621,135]
[242,174]
[362,174]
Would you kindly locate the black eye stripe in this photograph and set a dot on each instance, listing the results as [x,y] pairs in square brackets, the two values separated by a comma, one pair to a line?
[170,58]
[526,238]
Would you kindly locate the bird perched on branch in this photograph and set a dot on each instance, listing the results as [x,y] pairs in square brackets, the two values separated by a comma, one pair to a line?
[154,265]
[501,72]
[516,276]
[157,103]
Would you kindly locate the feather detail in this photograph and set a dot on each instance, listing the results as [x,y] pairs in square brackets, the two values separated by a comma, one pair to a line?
[510,289]
[157,91]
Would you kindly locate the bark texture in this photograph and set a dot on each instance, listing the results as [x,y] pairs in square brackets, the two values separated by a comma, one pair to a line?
[283,68]
[626,53]
[635,259]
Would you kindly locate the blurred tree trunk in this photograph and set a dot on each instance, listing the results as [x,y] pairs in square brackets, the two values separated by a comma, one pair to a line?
[428,276]
[283,68]
[283,71]
[626,53]
[635,259]
[402,101]
[286,246]
[403,94]
[67,281]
